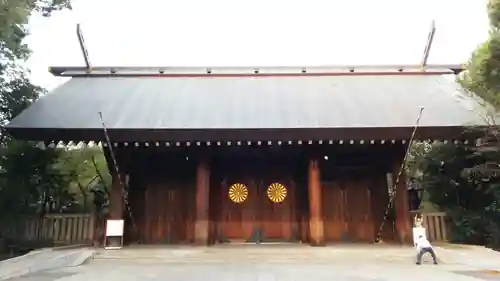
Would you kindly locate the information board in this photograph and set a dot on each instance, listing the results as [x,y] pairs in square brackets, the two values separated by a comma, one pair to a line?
[114,227]
[114,234]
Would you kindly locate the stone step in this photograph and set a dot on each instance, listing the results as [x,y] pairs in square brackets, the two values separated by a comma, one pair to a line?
[221,257]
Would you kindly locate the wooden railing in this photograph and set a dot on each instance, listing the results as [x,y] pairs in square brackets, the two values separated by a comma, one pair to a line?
[67,229]
[435,225]
[60,229]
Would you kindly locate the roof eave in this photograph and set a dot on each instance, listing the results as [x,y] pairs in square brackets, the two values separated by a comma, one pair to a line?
[277,134]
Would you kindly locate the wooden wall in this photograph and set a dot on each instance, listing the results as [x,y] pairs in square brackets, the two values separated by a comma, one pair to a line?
[162,199]
[355,193]
[353,208]
[163,189]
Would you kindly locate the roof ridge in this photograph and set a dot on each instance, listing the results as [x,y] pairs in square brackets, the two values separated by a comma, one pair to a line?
[253,71]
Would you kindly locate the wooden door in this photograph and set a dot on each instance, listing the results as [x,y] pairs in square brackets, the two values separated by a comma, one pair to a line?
[257,211]
[335,217]
[276,211]
[238,209]
[254,215]
[347,211]
[166,213]
[360,223]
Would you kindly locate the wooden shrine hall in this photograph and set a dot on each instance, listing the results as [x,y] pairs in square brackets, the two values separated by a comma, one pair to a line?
[229,155]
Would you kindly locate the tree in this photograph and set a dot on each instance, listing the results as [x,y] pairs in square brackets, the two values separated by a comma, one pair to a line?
[482,76]
[29,181]
[35,180]
[84,169]
[16,91]
[15,15]
[464,180]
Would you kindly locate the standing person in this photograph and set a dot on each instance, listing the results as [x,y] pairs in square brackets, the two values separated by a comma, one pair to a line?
[424,246]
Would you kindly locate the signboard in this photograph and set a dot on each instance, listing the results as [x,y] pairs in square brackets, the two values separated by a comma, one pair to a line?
[114,228]
[114,234]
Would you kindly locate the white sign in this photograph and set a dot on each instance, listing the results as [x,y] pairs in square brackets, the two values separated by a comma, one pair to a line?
[114,228]
[417,231]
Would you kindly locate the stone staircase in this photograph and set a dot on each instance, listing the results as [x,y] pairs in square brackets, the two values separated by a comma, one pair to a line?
[259,254]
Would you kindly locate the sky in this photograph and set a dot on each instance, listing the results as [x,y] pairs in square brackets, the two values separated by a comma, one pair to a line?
[254,33]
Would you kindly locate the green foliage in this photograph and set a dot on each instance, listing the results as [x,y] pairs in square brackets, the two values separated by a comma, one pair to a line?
[16,92]
[465,182]
[494,13]
[35,180]
[85,170]
[15,96]
[417,154]
[30,182]
[15,15]
[482,75]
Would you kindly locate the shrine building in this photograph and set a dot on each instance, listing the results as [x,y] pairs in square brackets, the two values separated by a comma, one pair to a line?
[255,155]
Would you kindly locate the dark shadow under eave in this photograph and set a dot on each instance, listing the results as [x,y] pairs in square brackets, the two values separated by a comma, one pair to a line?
[281,134]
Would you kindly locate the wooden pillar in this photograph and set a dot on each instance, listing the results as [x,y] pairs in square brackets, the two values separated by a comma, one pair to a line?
[316,232]
[402,207]
[202,221]
[116,192]
[116,198]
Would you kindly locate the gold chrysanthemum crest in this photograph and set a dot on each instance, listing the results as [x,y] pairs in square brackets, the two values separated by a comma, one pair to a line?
[276,192]
[238,193]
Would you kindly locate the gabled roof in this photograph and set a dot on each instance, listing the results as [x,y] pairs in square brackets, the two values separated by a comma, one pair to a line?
[240,107]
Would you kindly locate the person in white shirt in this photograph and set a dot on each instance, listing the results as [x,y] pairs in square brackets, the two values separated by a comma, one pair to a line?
[423,246]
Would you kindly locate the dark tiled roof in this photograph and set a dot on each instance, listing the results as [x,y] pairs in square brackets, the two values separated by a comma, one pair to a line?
[252,103]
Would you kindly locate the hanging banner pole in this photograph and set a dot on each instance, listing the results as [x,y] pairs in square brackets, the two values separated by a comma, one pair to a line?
[117,171]
[400,172]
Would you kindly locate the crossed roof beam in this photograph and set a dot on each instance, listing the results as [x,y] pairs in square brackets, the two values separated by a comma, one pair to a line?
[422,67]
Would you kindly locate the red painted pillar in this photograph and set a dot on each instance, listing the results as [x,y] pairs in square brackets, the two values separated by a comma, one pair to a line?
[316,232]
[202,221]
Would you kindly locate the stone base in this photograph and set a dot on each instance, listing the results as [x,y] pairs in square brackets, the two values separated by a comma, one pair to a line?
[201,232]
[317,236]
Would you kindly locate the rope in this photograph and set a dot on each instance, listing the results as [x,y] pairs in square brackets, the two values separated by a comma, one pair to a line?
[401,169]
[122,183]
